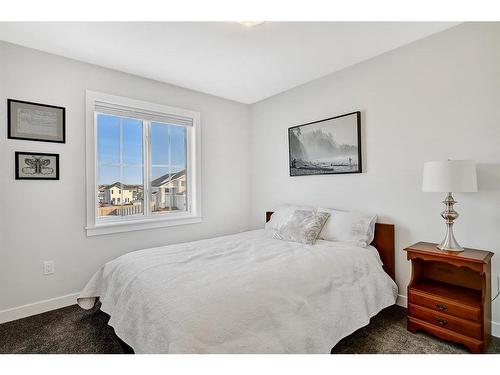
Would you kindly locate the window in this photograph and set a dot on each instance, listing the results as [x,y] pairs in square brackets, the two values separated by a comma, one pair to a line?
[142,165]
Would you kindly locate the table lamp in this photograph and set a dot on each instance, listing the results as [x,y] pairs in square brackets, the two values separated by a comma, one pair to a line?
[450,176]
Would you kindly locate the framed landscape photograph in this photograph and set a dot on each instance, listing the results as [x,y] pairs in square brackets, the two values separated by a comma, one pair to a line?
[329,146]
[36,166]
[35,121]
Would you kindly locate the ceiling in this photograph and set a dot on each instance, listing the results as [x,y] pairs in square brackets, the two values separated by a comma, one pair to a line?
[236,62]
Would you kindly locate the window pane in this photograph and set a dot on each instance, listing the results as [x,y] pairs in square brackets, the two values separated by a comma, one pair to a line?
[132,141]
[108,139]
[160,189]
[108,195]
[180,193]
[132,192]
[120,166]
[178,146]
[160,144]
[178,167]
[168,171]
[168,192]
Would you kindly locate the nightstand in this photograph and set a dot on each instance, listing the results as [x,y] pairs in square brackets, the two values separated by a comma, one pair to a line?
[449,294]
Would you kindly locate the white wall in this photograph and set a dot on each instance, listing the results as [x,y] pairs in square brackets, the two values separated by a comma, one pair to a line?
[45,220]
[435,99]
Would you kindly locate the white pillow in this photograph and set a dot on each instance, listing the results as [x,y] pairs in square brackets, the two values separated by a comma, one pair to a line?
[282,213]
[302,226]
[348,226]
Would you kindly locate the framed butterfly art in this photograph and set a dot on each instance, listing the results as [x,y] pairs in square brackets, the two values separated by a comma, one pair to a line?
[37,166]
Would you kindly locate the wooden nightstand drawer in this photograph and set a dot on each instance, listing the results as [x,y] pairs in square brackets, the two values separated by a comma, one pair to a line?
[446,321]
[444,306]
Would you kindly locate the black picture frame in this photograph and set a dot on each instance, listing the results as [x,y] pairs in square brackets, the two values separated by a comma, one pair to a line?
[358,145]
[10,132]
[18,177]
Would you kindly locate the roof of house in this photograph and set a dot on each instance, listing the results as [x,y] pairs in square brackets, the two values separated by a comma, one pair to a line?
[155,183]
[167,178]
[119,185]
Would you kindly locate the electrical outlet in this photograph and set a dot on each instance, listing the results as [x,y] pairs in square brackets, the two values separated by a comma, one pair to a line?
[48,267]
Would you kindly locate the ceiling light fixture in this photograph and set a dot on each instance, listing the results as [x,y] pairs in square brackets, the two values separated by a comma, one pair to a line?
[251,23]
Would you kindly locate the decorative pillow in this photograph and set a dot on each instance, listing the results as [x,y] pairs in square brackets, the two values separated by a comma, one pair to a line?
[302,226]
[282,213]
[348,226]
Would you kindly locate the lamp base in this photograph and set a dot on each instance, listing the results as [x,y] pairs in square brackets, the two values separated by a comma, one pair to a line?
[449,243]
[459,250]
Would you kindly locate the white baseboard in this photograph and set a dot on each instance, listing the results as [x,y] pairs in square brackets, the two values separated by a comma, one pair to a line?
[495,327]
[37,307]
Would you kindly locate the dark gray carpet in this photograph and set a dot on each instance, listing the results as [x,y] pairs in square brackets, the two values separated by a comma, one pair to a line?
[64,331]
[73,330]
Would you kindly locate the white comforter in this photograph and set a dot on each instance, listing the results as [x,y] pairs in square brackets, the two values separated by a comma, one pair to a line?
[244,293]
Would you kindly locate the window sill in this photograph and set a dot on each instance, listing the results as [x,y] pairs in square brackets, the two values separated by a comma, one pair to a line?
[141,224]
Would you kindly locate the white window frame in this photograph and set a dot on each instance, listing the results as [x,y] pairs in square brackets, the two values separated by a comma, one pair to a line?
[96,226]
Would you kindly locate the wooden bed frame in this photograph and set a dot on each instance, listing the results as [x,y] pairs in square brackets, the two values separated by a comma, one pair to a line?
[383,242]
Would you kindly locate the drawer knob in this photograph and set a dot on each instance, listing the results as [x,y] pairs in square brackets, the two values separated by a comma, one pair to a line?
[441,307]
[441,322]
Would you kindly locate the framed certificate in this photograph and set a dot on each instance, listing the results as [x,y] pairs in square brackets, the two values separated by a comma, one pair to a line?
[35,121]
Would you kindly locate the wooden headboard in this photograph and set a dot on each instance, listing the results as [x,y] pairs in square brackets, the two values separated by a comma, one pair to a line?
[383,242]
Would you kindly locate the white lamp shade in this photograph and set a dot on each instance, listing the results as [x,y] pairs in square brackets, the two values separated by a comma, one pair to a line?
[450,176]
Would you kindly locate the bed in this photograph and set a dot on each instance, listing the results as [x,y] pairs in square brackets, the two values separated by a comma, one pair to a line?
[245,293]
